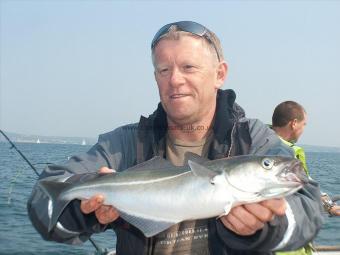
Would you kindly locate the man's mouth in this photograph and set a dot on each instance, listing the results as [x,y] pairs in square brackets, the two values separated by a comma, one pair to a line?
[177,96]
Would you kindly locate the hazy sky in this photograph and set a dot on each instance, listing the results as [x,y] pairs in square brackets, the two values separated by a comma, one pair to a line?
[81,68]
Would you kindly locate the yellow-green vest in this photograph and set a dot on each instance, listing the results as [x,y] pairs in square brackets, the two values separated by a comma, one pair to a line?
[299,154]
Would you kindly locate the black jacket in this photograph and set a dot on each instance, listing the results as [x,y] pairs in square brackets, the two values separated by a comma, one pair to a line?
[136,143]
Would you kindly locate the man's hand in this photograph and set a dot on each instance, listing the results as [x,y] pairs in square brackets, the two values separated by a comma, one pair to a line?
[249,218]
[104,213]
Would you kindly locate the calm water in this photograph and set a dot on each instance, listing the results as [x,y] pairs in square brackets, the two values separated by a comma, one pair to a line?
[18,236]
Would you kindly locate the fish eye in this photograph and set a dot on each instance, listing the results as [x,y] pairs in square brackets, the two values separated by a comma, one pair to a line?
[267,163]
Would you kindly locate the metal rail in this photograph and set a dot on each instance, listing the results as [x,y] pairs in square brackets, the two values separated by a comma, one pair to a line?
[328,248]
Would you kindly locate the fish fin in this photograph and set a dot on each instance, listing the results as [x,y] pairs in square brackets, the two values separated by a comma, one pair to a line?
[194,157]
[55,206]
[199,170]
[156,163]
[149,227]
[226,209]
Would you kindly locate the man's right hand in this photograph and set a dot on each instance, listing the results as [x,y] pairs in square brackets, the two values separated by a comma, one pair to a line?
[104,213]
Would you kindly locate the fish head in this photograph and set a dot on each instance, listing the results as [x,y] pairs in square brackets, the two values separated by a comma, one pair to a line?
[256,178]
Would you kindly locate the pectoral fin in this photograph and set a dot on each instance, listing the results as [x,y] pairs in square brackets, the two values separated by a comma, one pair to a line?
[226,209]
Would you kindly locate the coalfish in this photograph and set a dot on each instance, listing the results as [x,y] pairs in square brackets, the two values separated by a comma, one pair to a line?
[155,195]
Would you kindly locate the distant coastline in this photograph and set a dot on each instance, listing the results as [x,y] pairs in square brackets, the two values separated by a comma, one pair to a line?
[317,148]
[22,138]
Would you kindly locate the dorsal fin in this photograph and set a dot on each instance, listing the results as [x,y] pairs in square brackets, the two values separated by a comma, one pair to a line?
[194,157]
[200,170]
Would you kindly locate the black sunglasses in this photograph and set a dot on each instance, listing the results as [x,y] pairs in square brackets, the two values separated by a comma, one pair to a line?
[186,26]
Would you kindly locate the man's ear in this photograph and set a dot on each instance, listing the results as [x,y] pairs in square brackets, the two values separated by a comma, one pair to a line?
[222,71]
[155,75]
[294,123]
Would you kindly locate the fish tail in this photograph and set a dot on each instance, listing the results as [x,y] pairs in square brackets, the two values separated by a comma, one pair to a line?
[57,205]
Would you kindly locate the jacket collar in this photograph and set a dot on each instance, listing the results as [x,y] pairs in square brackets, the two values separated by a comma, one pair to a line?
[153,129]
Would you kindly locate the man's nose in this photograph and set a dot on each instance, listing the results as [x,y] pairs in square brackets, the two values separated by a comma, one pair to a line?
[177,78]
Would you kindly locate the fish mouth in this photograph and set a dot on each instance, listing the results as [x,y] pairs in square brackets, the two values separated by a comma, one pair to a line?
[291,178]
[293,174]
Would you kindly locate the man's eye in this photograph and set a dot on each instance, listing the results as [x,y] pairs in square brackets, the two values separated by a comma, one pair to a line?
[189,68]
[164,71]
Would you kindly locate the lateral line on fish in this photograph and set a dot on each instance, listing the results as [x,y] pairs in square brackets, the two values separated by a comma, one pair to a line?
[141,182]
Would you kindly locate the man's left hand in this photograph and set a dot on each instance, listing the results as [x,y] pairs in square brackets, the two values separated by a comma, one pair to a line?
[249,218]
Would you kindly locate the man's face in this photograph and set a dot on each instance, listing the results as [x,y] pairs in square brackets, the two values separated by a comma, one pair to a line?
[298,128]
[188,77]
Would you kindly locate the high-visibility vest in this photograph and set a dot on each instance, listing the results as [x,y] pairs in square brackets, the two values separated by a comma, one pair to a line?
[299,153]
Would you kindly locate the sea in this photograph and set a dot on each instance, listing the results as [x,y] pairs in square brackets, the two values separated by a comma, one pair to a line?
[17,236]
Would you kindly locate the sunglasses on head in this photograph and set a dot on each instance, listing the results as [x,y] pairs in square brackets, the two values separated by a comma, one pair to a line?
[186,26]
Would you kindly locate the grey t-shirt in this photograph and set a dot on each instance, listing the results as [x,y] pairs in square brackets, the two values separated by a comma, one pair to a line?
[188,237]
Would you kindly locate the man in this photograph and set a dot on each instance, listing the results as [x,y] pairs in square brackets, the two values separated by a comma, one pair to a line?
[288,121]
[194,115]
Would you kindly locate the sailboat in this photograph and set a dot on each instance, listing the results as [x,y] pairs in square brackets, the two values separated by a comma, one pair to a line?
[83,142]
[38,141]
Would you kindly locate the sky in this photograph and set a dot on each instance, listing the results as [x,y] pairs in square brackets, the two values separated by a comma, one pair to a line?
[83,67]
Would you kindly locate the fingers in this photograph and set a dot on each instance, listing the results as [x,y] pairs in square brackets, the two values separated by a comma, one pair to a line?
[277,206]
[249,218]
[106,214]
[259,211]
[90,205]
[237,226]
[106,170]
[241,221]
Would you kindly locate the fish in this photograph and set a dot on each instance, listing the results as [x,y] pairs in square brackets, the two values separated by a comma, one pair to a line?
[155,195]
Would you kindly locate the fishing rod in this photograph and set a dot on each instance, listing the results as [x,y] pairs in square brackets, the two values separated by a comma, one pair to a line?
[100,251]
[21,154]
[335,198]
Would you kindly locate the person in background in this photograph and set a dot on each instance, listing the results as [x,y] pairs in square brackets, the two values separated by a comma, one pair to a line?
[288,121]
[194,115]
